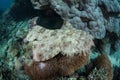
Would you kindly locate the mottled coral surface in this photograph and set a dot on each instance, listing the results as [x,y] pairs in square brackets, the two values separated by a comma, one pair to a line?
[48,43]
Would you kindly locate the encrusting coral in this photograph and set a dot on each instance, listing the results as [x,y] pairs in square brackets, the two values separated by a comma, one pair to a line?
[56,67]
[48,43]
[58,52]
[94,16]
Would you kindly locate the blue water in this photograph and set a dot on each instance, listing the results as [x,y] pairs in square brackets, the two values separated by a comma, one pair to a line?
[5,4]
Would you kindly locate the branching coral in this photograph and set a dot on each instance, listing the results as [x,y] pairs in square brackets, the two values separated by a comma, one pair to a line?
[68,40]
[98,74]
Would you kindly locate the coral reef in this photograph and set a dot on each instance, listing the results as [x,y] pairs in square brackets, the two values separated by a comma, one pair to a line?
[67,40]
[104,62]
[114,58]
[58,52]
[8,70]
[98,74]
[32,22]
[11,48]
[103,69]
[109,45]
[87,15]
[26,17]
[55,67]
[114,25]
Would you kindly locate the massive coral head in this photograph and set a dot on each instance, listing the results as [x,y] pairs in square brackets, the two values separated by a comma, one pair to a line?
[56,67]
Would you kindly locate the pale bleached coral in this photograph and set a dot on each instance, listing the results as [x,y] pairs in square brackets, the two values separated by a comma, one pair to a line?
[48,43]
